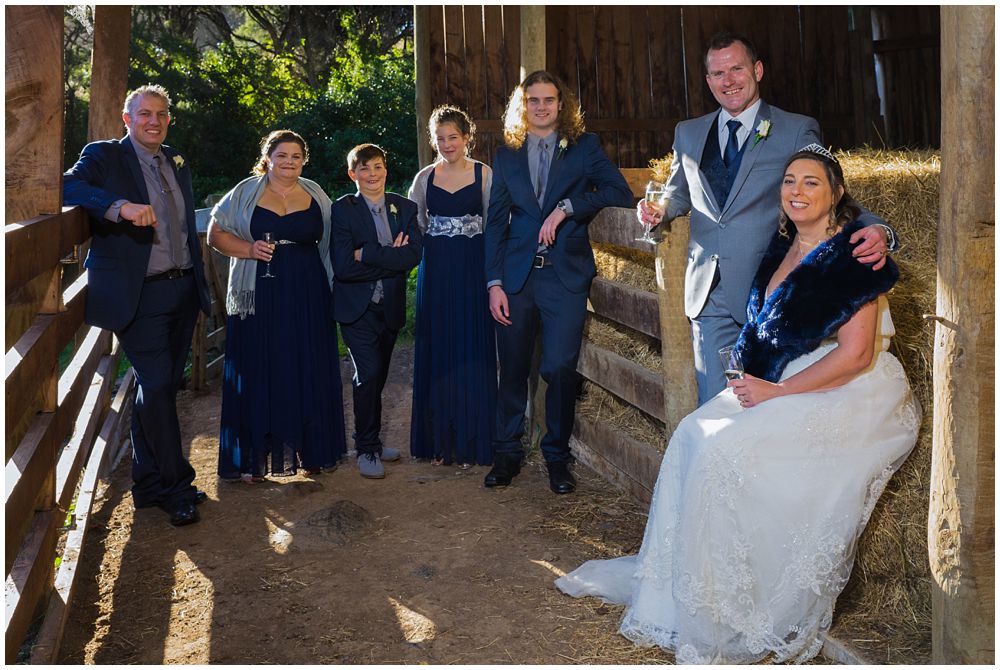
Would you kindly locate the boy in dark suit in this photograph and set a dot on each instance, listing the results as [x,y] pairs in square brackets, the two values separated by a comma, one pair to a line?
[375,243]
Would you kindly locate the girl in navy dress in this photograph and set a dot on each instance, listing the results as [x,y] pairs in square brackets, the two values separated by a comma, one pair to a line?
[454,371]
[282,404]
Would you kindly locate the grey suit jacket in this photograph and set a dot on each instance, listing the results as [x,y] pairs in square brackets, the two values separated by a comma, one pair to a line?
[733,235]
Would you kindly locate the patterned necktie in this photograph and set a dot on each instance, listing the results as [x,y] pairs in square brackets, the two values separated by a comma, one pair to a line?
[543,171]
[174,225]
[381,227]
[733,145]
[385,239]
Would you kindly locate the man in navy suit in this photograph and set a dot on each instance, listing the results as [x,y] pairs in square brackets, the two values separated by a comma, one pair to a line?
[375,242]
[145,282]
[549,180]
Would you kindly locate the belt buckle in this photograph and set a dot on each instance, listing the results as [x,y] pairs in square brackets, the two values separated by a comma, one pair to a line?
[539,262]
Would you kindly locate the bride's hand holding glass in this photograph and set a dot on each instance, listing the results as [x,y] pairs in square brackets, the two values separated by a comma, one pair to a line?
[750,390]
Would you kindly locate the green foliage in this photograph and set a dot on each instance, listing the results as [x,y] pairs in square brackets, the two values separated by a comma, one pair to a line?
[338,75]
[369,99]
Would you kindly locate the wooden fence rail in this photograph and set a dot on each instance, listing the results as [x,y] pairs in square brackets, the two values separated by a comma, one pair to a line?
[51,418]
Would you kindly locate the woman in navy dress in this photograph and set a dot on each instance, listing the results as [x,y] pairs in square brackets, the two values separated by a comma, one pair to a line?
[454,370]
[282,404]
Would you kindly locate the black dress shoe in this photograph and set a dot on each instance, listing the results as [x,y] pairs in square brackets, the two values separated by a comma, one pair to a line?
[181,513]
[560,478]
[199,497]
[505,468]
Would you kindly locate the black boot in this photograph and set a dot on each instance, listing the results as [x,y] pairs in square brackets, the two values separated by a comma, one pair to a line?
[560,478]
[505,468]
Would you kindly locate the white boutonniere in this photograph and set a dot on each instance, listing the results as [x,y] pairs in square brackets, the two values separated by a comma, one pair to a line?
[563,144]
[763,130]
[393,210]
[179,161]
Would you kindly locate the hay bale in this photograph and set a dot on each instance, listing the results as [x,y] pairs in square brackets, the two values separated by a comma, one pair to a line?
[622,340]
[889,598]
[627,266]
[599,406]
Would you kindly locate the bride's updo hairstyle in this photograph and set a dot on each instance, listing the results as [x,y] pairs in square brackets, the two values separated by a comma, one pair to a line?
[847,208]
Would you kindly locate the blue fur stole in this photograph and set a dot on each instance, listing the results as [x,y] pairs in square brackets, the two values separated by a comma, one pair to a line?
[818,297]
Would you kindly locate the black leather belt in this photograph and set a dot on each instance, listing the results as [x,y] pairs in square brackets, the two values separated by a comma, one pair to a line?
[541,262]
[176,273]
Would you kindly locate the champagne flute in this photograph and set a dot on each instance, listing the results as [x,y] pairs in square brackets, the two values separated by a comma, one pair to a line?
[732,366]
[656,198]
[269,238]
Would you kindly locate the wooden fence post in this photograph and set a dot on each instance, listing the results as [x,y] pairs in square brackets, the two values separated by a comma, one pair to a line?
[422,75]
[33,153]
[680,390]
[109,71]
[532,39]
[960,530]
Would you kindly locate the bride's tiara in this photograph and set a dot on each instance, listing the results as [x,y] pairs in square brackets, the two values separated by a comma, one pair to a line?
[817,149]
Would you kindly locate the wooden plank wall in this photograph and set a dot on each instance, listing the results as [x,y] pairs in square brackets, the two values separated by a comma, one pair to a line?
[908,45]
[637,69]
[475,56]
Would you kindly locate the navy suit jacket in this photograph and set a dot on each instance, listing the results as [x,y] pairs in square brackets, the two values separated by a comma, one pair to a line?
[582,173]
[353,228]
[119,251]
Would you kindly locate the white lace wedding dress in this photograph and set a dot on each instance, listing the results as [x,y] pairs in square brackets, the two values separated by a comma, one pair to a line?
[755,516]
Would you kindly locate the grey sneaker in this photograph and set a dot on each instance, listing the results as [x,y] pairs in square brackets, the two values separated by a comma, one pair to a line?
[390,454]
[370,466]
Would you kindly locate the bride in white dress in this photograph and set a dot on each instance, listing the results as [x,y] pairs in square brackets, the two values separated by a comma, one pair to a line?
[764,490]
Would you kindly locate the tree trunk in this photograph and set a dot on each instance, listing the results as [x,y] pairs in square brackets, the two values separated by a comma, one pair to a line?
[960,527]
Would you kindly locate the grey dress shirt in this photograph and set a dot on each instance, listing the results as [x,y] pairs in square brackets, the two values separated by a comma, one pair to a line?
[161,255]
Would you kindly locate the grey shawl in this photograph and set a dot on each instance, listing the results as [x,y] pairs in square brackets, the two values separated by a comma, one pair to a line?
[418,192]
[232,214]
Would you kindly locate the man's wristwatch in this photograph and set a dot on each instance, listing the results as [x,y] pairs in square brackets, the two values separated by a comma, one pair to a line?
[562,205]
[890,237]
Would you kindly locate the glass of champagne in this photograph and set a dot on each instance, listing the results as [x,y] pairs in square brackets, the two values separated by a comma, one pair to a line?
[732,366]
[269,238]
[656,199]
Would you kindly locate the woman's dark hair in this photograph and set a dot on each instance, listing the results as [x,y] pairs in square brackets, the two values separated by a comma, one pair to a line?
[846,209]
[457,117]
[269,143]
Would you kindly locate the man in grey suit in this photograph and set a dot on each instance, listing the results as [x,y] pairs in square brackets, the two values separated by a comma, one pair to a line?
[726,171]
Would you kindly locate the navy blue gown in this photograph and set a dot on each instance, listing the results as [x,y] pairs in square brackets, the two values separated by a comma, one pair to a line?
[454,368]
[282,403]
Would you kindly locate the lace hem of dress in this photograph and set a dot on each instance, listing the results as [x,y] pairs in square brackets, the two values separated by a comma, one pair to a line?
[468,225]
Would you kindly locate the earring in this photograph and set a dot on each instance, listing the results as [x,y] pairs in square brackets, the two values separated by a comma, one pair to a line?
[782,223]
[832,228]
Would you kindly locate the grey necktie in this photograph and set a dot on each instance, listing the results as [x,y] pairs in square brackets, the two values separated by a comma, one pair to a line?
[381,227]
[385,239]
[543,171]
[174,225]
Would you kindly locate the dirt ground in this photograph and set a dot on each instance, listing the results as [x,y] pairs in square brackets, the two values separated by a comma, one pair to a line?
[425,566]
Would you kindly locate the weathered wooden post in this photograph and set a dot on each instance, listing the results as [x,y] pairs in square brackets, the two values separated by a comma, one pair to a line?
[109,71]
[422,76]
[33,153]
[680,390]
[532,39]
[961,524]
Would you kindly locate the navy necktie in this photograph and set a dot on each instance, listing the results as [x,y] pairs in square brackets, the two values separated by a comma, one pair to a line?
[733,145]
